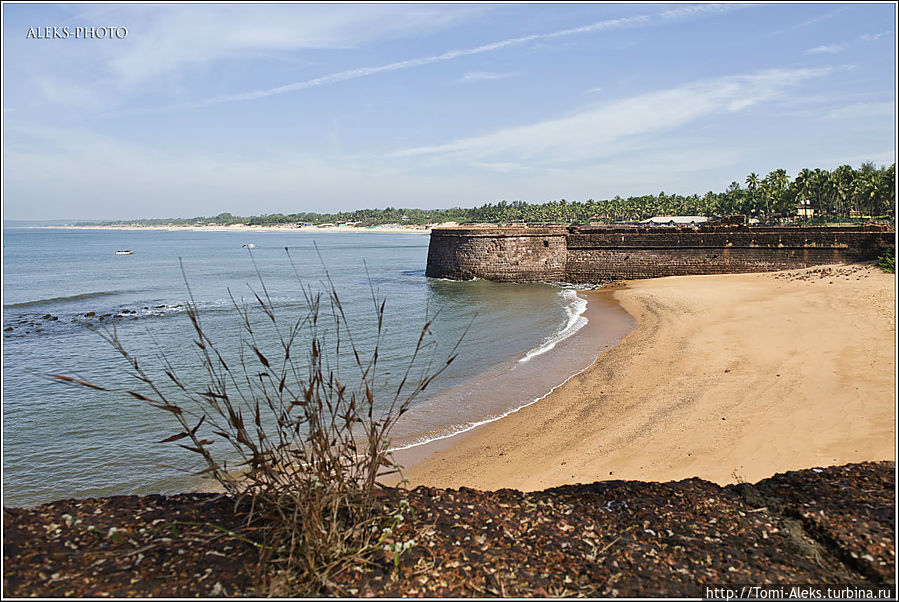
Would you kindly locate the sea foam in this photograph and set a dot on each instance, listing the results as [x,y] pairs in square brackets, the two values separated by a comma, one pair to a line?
[574,307]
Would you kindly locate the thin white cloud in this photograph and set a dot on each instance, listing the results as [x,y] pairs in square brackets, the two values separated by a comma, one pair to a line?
[827,49]
[601,131]
[480,76]
[68,92]
[164,39]
[599,26]
[864,110]
[593,90]
[871,37]
[168,47]
[811,21]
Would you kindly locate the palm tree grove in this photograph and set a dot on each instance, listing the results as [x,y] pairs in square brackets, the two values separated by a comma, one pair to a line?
[812,196]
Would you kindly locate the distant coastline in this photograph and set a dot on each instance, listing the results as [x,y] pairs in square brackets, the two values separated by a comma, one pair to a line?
[387,229]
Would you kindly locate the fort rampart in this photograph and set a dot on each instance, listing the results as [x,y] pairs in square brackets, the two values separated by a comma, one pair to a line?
[581,254]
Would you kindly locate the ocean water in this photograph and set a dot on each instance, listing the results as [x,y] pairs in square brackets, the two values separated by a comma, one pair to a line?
[60,285]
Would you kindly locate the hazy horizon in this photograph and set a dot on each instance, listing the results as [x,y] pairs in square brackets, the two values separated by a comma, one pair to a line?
[195,110]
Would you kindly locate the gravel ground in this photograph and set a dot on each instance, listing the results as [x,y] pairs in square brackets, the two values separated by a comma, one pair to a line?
[832,526]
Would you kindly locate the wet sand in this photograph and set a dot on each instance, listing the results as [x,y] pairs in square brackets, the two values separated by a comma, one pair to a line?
[728,378]
[511,386]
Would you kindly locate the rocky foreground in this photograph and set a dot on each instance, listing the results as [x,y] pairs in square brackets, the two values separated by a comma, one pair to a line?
[831,526]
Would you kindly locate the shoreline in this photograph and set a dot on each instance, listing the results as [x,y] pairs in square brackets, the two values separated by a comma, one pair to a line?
[605,325]
[728,378]
[606,322]
[245,228]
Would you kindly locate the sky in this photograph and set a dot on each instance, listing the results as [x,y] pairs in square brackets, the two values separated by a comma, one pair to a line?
[282,108]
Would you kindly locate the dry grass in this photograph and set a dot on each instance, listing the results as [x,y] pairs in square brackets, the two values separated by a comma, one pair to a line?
[310,440]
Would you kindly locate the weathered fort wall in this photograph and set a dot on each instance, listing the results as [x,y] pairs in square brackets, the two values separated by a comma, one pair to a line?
[582,254]
[515,254]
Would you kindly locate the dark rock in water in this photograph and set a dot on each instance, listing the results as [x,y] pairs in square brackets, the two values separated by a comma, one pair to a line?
[7,329]
[90,314]
[54,318]
[160,307]
[46,317]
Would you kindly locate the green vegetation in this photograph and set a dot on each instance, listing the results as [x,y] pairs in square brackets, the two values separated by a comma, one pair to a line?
[814,196]
[887,260]
[295,408]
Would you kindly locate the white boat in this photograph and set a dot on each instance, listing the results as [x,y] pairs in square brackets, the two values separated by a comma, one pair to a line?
[125,252]
[249,246]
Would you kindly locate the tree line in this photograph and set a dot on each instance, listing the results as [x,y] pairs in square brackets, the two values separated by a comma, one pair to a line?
[814,195]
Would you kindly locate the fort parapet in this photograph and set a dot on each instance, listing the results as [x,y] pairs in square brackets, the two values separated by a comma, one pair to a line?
[581,254]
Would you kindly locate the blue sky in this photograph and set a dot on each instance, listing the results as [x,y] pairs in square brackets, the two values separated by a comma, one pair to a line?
[301,107]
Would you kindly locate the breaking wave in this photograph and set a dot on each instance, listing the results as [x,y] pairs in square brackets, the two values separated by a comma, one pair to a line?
[574,307]
[63,299]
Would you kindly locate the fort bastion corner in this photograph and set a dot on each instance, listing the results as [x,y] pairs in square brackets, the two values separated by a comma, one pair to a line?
[595,254]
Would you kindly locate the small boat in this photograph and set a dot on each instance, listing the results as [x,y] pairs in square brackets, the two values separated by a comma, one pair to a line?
[249,246]
[125,252]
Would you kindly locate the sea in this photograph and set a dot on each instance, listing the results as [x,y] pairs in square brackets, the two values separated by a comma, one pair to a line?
[66,291]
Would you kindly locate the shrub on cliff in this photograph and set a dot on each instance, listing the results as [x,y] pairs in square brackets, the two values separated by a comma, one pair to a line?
[887,260]
[310,442]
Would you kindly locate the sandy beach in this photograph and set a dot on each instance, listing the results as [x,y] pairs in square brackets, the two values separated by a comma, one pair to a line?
[728,378]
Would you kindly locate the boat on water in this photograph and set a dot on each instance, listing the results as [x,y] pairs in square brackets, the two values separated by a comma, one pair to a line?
[249,246]
[125,252]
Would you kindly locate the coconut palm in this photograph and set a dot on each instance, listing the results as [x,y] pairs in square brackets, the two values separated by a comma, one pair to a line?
[752,185]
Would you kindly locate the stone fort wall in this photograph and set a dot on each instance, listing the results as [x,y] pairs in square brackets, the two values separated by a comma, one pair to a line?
[582,254]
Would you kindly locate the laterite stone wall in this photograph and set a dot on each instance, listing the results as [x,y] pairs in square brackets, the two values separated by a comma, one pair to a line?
[598,254]
[504,254]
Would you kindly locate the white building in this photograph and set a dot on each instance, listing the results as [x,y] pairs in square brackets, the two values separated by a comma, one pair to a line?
[676,220]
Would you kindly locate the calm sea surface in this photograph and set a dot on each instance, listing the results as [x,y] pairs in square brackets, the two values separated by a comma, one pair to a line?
[61,442]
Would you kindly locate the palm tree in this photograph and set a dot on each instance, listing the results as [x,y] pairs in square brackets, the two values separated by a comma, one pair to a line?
[775,187]
[823,190]
[888,191]
[802,186]
[752,185]
[867,184]
[841,180]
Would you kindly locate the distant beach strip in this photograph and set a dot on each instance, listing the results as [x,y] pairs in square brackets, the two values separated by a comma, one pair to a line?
[330,228]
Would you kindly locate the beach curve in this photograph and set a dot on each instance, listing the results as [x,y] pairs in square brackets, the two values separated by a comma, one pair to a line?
[728,378]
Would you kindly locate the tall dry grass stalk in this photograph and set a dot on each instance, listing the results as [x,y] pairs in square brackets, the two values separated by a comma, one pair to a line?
[311,442]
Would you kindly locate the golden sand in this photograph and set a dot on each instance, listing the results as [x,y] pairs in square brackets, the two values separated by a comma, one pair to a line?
[728,378]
